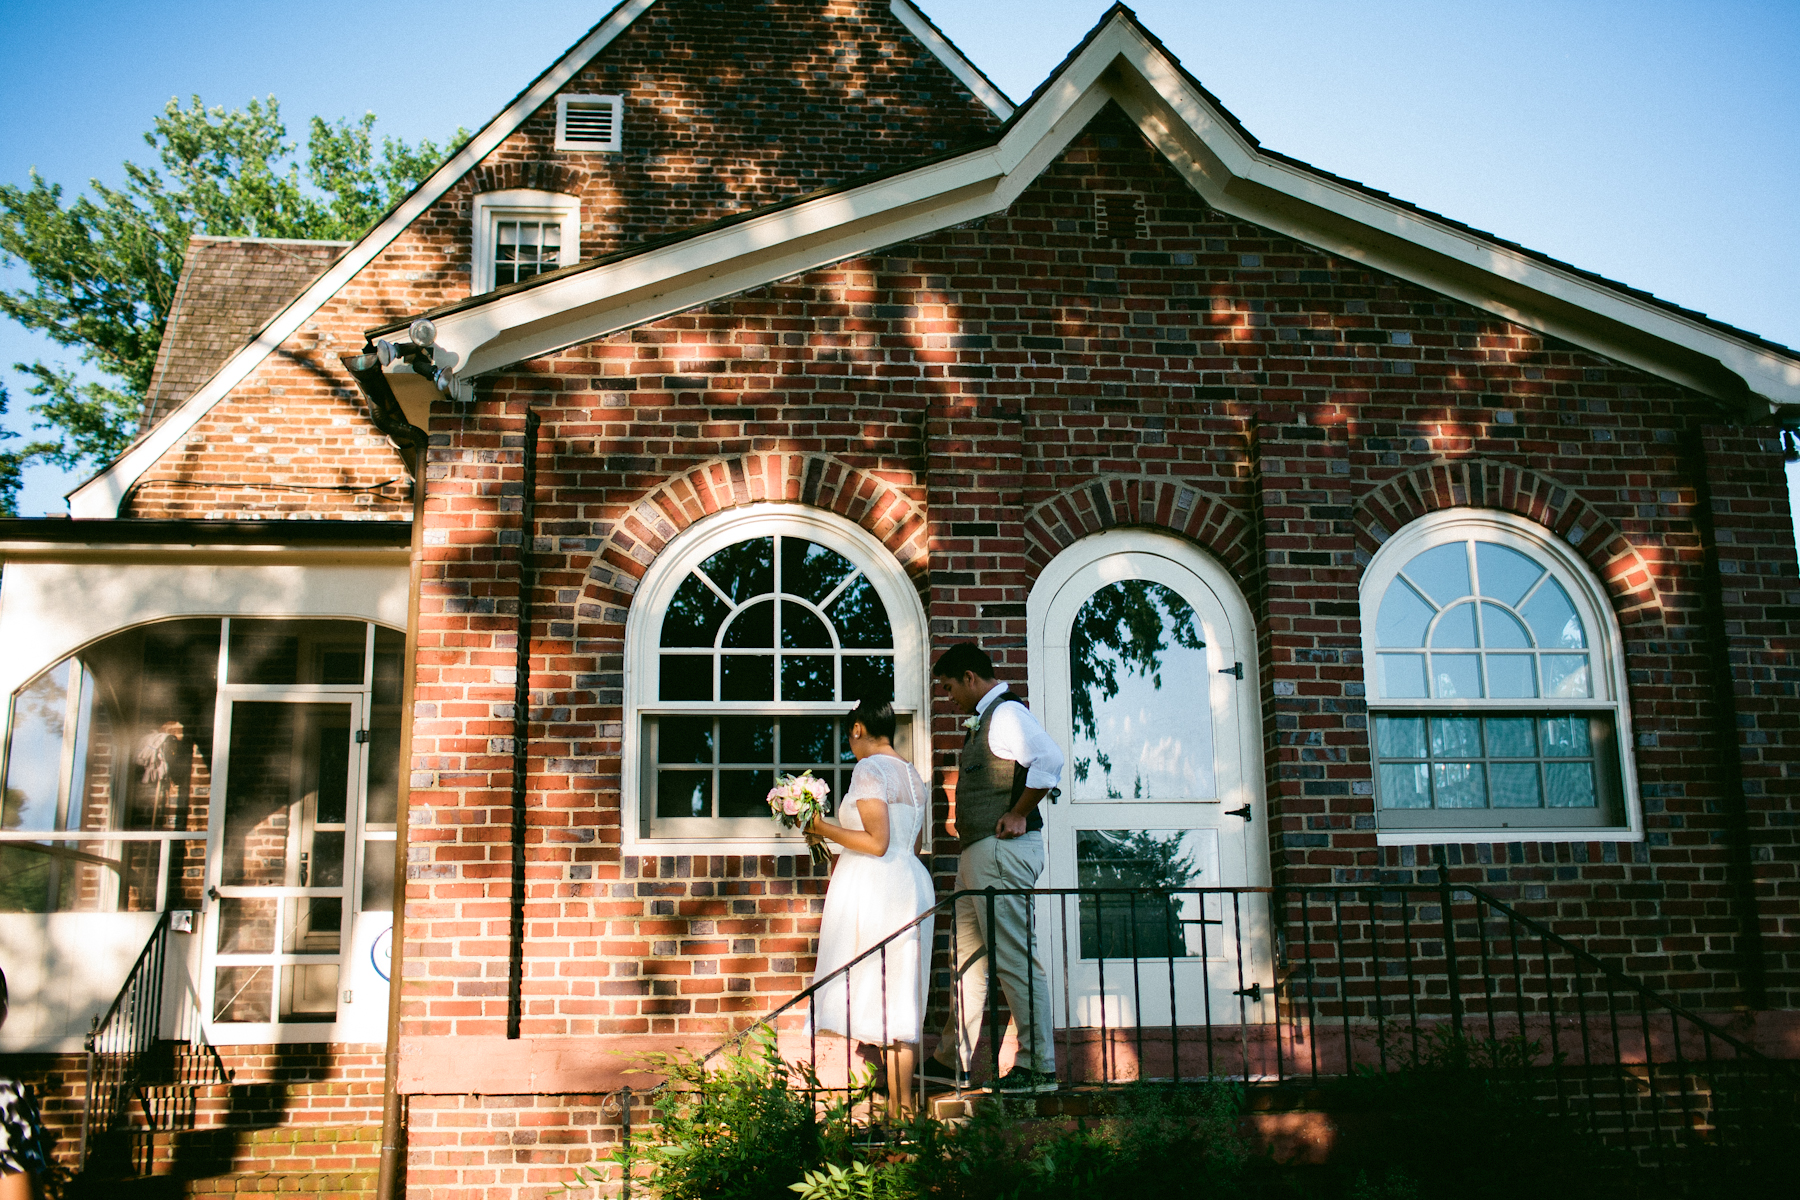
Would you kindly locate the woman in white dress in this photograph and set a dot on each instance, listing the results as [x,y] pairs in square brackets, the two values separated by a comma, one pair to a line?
[878,886]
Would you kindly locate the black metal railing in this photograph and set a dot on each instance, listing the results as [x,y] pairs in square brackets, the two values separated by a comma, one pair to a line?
[1277,985]
[128,1057]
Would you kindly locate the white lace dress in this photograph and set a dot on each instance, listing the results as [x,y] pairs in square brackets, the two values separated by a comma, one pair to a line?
[869,899]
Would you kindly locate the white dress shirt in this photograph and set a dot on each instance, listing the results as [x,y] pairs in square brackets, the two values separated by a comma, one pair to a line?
[1016,735]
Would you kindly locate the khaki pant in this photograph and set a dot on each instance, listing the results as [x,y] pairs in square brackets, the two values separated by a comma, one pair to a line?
[1016,960]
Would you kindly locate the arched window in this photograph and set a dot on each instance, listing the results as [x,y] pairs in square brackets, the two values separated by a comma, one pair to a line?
[751,636]
[1496,687]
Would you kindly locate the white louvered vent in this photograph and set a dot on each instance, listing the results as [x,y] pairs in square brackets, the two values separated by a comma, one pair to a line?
[589,122]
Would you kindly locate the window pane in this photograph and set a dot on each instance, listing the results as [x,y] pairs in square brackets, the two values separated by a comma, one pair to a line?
[1511,737]
[807,740]
[243,993]
[745,793]
[1404,616]
[684,739]
[753,627]
[1455,737]
[801,628]
[1510,676]
[1455,676]
[1566,676]
[806,677]
[744,570]
[378,876]
[860,617]
[1442,572]
[309,993]
[809,570]
[1500,630]
[1405,785]
[1515,785]
[312,925]
[390,666]
[1505,574]
[684,794]
[685,677]
[246,925]
[1403,676]
[1142,728]
[693,616]
[747,677]
[1567,737]
[384,765]
[868,676]
[34,765]
[277,652]
[1400,737]
[1571,784]
[1553,620]
[1455,629]
[323,865]
[1460,785]
[746,740]
[1144,925]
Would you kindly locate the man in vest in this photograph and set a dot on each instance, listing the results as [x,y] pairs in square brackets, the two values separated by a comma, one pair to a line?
[1008,764]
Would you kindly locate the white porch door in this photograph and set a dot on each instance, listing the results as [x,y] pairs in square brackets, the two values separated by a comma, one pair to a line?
[1144,670]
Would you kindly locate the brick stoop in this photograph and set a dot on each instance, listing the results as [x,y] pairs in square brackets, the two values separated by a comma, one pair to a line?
[321,1185]
[308,1160]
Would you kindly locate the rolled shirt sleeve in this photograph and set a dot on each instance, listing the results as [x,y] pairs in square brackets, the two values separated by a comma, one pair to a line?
[1017,735]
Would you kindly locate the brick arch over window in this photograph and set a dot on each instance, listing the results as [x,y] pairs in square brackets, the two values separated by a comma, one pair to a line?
[537,175]
[1630,580]
[1117,501]
[631,542]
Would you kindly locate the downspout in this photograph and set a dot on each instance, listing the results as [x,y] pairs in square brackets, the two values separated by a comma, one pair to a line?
[385,412]
[1739,855]
[515,982]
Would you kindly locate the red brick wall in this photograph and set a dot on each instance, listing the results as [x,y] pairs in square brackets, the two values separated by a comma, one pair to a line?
[728,106]
[1016,386]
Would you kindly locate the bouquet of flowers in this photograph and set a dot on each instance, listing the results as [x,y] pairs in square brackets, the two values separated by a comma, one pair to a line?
[794,801]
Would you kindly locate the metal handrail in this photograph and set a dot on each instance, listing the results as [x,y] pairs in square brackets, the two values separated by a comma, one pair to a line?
[1386,967]
[120,1043]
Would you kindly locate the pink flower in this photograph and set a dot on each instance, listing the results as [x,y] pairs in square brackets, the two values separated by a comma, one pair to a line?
[790,806]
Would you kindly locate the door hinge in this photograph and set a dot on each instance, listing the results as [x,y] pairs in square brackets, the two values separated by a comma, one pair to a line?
[1243,812]
[1253,993]
[1235,669]
[362,736]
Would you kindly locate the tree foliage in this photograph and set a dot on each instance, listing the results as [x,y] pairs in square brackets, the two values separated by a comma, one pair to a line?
[104,264]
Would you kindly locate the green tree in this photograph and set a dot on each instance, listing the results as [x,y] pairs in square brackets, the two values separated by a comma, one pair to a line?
[104,265]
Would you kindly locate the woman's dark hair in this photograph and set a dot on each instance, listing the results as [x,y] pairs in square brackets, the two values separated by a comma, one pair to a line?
[876,712]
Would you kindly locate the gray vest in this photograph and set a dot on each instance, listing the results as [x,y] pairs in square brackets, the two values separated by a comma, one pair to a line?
[986,784]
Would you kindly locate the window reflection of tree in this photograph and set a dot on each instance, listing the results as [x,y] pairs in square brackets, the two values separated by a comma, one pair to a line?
[1144,925]
[1124,626]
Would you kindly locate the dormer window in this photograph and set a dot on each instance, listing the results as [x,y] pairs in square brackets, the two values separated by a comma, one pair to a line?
[522,232]
[589,123]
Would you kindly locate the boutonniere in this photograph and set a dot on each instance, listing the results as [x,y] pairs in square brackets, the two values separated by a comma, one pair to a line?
[971,723]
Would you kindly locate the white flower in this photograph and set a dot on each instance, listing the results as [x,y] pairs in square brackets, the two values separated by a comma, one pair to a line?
[971,723]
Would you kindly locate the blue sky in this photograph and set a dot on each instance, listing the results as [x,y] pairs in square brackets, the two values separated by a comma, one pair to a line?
[1656,143]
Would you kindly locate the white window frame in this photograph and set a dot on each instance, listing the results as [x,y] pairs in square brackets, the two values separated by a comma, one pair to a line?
[1606,671]
[516,204]
[643,630]
[612,145]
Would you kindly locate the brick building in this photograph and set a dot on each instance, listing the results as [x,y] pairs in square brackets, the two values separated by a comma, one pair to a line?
[770,348]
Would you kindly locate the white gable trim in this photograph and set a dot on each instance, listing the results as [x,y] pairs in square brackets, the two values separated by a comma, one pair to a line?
[101,496]
[965,71]
[1119,64]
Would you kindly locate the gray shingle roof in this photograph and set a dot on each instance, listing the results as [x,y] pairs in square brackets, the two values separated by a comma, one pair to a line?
[229,289]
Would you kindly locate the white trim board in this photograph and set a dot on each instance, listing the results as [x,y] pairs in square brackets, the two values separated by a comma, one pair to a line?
[966,72]
[100,496]
[1119,63]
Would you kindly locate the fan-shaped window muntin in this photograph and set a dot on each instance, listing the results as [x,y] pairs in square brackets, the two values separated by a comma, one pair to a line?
[775,619]
[758,631]
[1494,693]
[1476,620]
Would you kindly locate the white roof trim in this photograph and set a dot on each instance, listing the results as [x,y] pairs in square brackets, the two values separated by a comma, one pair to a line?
[965,71]
[1120,64]
[102,495]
